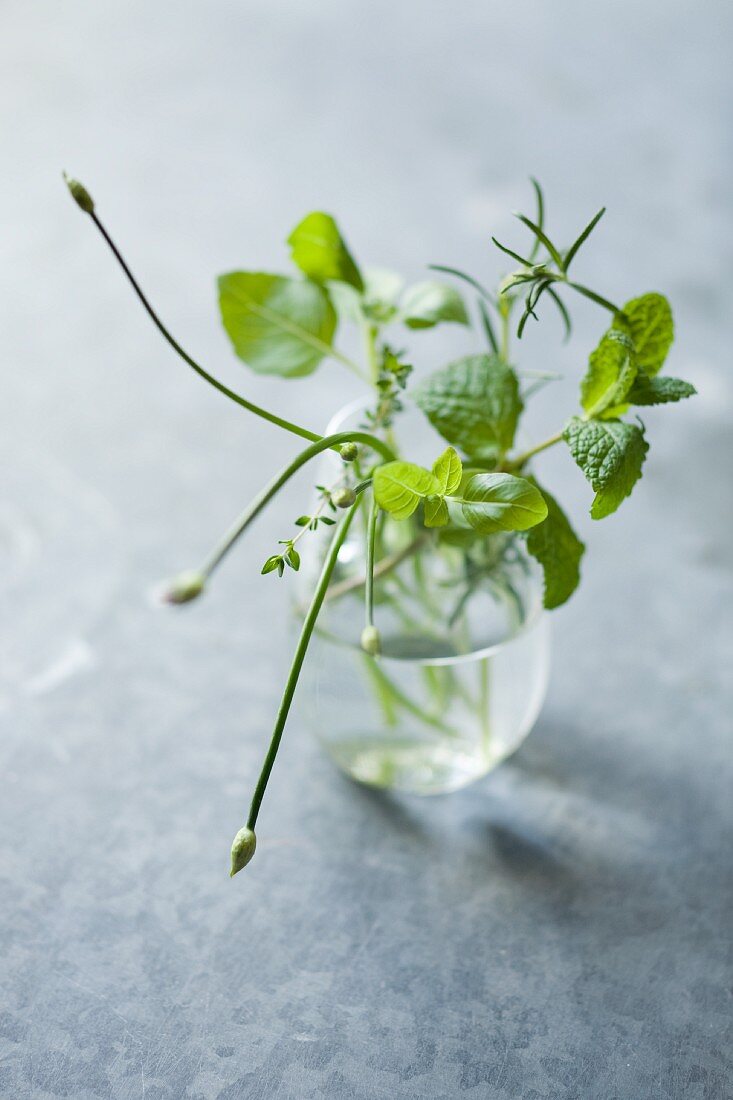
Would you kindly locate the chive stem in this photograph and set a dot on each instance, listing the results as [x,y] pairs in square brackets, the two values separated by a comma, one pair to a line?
[297,664]
[279,421]
[265,495]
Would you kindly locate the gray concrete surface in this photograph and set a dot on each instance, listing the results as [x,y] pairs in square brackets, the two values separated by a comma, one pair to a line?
[561,930]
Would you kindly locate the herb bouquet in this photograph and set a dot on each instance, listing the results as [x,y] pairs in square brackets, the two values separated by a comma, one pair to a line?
[429,578]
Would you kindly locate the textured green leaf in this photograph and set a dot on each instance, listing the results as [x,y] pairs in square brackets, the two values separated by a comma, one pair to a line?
[659,391]
[611,373]
[320,251]
[448,469]
[436,512]
[277,325]
[427,304]
[611,454]
[400,486]
[649,324]
[474,403]
[558,550]
[502,502]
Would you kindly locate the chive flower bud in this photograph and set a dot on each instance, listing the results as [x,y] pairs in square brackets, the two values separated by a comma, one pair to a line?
[185,587]
[343,498]
[243,848]
[80,195]
[348,451]
[371,642]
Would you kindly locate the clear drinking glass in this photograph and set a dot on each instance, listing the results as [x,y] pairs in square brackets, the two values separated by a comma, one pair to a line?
[464,664]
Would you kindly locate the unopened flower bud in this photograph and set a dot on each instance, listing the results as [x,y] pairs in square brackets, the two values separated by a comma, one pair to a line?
[80,195]
[370,641]
[243,848]
[343,498]
[185,587]
[349,451]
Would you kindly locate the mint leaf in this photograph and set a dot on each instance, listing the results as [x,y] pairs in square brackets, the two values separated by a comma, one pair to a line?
[320,251]
[502,502]
[558,550]
[649,324]
[448,469]
[400,486]
[611,372]
[436,512]
[659,391]
[276,325]
[610,453]
[473,403]
[427,304]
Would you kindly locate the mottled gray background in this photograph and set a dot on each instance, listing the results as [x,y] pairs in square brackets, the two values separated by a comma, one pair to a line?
[562,929]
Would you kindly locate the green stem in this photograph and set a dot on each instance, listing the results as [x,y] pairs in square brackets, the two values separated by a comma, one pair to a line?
[370,543]
[523,458]
[386,684]
[370,345]
[265,495]
[505,310]
[297,664]
[287,425]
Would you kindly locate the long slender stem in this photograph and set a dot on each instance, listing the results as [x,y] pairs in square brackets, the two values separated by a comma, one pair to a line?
[371,538]
[297,664]
[265,495]
[521,459]
[279,421]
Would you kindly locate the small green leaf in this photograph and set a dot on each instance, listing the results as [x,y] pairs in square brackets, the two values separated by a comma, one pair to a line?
[502,502]
[292,557]
[427,304]
[272,564]
[474,403]
[611,454]
[436,512]
[649,324]
[448,469]
[558,550]
[319,250]
[659,391]
[277,325]
[583,237]
[302,521]
[611,373]
[400,486]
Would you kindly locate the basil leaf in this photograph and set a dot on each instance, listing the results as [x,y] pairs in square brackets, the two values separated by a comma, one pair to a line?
[649,324]
[276,325]
[611,373]
[448,469]
[474,403]
[611,454]
[659,391]
[436,512]
[400,486]
[320,251]
[502,502]
[558,550]
[427,304]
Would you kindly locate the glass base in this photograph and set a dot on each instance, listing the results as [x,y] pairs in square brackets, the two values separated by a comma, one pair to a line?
[409,766]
